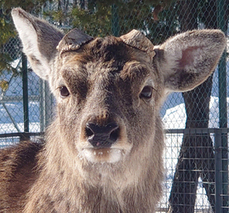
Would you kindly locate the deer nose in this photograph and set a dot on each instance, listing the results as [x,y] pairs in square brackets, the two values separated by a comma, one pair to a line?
[102,136]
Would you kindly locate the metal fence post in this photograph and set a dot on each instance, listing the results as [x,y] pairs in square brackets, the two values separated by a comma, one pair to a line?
[218,171]
[25,93]
[222,76]
[41,102]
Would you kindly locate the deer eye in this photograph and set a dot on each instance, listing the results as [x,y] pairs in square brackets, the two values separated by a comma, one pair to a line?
[146,93]
[64,92]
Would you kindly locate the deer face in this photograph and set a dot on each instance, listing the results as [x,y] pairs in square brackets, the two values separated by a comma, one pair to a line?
[106,92]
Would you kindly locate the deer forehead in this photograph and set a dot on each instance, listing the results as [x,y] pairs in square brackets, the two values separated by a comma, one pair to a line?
[106,60]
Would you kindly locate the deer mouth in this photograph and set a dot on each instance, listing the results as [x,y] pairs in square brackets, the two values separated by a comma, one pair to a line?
[103,155]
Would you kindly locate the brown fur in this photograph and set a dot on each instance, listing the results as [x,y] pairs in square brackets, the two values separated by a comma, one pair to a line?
[106,78]
[17,173]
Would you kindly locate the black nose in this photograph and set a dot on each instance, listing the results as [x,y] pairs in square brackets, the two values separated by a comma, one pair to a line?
[102,136]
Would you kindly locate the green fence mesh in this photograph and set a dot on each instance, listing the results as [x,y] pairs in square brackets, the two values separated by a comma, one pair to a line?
[196,156]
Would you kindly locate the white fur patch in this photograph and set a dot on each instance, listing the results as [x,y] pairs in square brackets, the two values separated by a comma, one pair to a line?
[103,156]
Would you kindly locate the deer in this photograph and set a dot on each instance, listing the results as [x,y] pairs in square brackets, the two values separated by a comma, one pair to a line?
[103,151]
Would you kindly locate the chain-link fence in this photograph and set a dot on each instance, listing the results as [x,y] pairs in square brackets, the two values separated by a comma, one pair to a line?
[196,156]
[23,99]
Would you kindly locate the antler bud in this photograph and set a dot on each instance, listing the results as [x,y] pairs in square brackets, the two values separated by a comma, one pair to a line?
[73,40]
[136,39]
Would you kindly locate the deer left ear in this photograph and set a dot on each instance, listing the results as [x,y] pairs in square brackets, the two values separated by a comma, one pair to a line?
[187,59]
[39,40]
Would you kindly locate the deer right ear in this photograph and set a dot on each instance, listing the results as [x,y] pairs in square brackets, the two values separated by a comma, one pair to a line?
[39,40]
[187,59]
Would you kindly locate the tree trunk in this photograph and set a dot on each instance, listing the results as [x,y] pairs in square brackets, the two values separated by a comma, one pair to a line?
[196,157]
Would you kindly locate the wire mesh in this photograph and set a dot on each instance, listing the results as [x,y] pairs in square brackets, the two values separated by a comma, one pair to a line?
[40,101]
[196,163]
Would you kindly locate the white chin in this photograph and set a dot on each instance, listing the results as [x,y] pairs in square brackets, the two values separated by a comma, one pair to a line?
[102,155]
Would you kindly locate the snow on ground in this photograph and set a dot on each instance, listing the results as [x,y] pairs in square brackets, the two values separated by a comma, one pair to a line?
[175,117]
[15,109]
[6,128]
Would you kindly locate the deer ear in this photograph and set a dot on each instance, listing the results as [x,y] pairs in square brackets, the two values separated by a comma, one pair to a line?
[187,59]
[39,40]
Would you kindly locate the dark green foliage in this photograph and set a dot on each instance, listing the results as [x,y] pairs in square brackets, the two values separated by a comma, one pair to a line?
[96,17]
